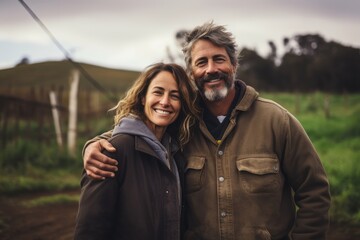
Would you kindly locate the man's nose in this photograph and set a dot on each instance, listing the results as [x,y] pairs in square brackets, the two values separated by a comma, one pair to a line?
[211,68]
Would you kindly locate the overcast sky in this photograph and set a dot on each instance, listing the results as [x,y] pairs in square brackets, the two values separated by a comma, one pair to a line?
[131,34]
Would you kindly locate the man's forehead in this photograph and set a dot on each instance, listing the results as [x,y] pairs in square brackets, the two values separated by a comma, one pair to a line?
[205,48]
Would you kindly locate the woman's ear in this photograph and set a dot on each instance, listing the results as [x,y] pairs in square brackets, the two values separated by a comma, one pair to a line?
[143,101]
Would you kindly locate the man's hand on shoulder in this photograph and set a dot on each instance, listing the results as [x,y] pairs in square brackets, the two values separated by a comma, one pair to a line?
[96,164]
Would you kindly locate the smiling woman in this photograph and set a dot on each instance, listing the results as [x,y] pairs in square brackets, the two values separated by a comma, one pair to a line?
[161,103]
[143,200]
[161,87]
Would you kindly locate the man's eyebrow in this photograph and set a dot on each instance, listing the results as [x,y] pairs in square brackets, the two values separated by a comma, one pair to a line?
[219,55]
[214,56]
[200,58]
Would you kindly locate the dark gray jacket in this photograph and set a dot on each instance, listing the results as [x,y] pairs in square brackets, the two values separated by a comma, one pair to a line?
[142,201]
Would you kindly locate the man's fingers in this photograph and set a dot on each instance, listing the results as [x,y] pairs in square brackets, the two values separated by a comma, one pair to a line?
[97,164]
[93,176]
[96,173]
[102,162]
[109,163]
[104,144]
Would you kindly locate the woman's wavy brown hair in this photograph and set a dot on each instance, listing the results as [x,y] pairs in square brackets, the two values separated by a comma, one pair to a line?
[131,104]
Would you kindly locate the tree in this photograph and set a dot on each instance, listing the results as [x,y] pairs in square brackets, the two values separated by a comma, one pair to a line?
[309,63]
[273,51]
[255,70]
[23,61]
[177,56]
[309,44]
[315,64]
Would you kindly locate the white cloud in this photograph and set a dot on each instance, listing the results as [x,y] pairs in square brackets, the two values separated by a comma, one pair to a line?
[133,34]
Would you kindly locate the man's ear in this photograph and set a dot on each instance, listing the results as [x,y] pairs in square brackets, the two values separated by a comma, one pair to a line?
[191,76]
[234,69]
[192,81]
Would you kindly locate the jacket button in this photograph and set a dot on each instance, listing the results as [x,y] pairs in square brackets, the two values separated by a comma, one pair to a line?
[166,191]
[221,179]
[223,214]
[221,153]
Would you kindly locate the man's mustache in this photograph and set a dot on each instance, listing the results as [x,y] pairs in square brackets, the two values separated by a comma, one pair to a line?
[213,76]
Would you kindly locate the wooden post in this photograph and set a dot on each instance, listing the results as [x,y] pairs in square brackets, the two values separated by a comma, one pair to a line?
[327,105]
[55,113]
[74,83]
[4,124]
[297,102]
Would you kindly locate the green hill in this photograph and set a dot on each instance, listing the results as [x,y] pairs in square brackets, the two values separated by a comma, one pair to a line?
[56,74]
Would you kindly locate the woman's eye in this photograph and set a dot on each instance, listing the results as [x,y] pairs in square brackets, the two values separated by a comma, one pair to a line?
[176,97]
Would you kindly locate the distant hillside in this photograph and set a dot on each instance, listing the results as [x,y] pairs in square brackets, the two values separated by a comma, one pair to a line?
[56,74]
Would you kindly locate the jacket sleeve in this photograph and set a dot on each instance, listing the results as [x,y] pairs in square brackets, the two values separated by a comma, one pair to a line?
[97,207]
[105,135]
[308,179]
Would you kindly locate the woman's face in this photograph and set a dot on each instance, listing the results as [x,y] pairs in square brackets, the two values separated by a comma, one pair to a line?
[162,102]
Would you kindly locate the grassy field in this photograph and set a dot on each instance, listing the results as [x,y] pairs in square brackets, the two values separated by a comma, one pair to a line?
[29,165]
[337,140]
[50,74]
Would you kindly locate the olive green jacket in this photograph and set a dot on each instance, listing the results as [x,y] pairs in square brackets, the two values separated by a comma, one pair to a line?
[249,184]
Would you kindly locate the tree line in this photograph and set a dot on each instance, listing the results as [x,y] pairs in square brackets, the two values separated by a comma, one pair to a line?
[309,63]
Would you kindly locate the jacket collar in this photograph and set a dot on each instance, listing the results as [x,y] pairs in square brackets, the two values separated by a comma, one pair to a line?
[249,97]
[245,102]
[142,146]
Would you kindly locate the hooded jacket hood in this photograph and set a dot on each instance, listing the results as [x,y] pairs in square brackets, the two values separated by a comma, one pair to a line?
[132,125]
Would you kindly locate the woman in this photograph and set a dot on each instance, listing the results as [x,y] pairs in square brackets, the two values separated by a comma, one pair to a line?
[143,201]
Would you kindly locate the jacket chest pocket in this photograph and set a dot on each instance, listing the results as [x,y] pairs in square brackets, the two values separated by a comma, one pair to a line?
[194,174]
[259,174]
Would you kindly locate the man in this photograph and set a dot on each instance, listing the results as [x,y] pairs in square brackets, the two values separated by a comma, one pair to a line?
[249,164]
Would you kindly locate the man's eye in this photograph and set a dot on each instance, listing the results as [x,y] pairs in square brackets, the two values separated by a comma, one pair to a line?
[201,63]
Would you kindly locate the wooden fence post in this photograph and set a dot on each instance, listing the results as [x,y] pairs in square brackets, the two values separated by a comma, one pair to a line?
[74,83]
[4,124]
[327,105]
[297,102]
[55,113]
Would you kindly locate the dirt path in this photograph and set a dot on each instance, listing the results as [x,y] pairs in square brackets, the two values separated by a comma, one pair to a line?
[50,222]
[57,222]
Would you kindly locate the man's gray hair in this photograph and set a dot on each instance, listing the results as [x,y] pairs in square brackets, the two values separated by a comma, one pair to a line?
[218,35]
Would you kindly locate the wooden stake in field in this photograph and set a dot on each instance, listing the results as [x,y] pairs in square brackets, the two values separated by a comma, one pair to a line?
[74,83]
[55,113]
[327,106]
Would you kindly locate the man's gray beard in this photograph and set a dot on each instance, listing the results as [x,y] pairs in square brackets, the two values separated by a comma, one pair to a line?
[213,95]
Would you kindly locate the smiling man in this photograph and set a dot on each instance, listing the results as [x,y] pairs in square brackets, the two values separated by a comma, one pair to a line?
[251,171]
[211,71]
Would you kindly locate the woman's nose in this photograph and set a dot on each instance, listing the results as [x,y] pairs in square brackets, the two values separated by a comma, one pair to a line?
[164,100]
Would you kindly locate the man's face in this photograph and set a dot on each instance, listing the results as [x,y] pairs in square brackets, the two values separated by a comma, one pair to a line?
[212,70]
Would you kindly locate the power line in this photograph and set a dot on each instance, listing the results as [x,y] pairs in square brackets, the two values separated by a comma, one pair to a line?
[67,55]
